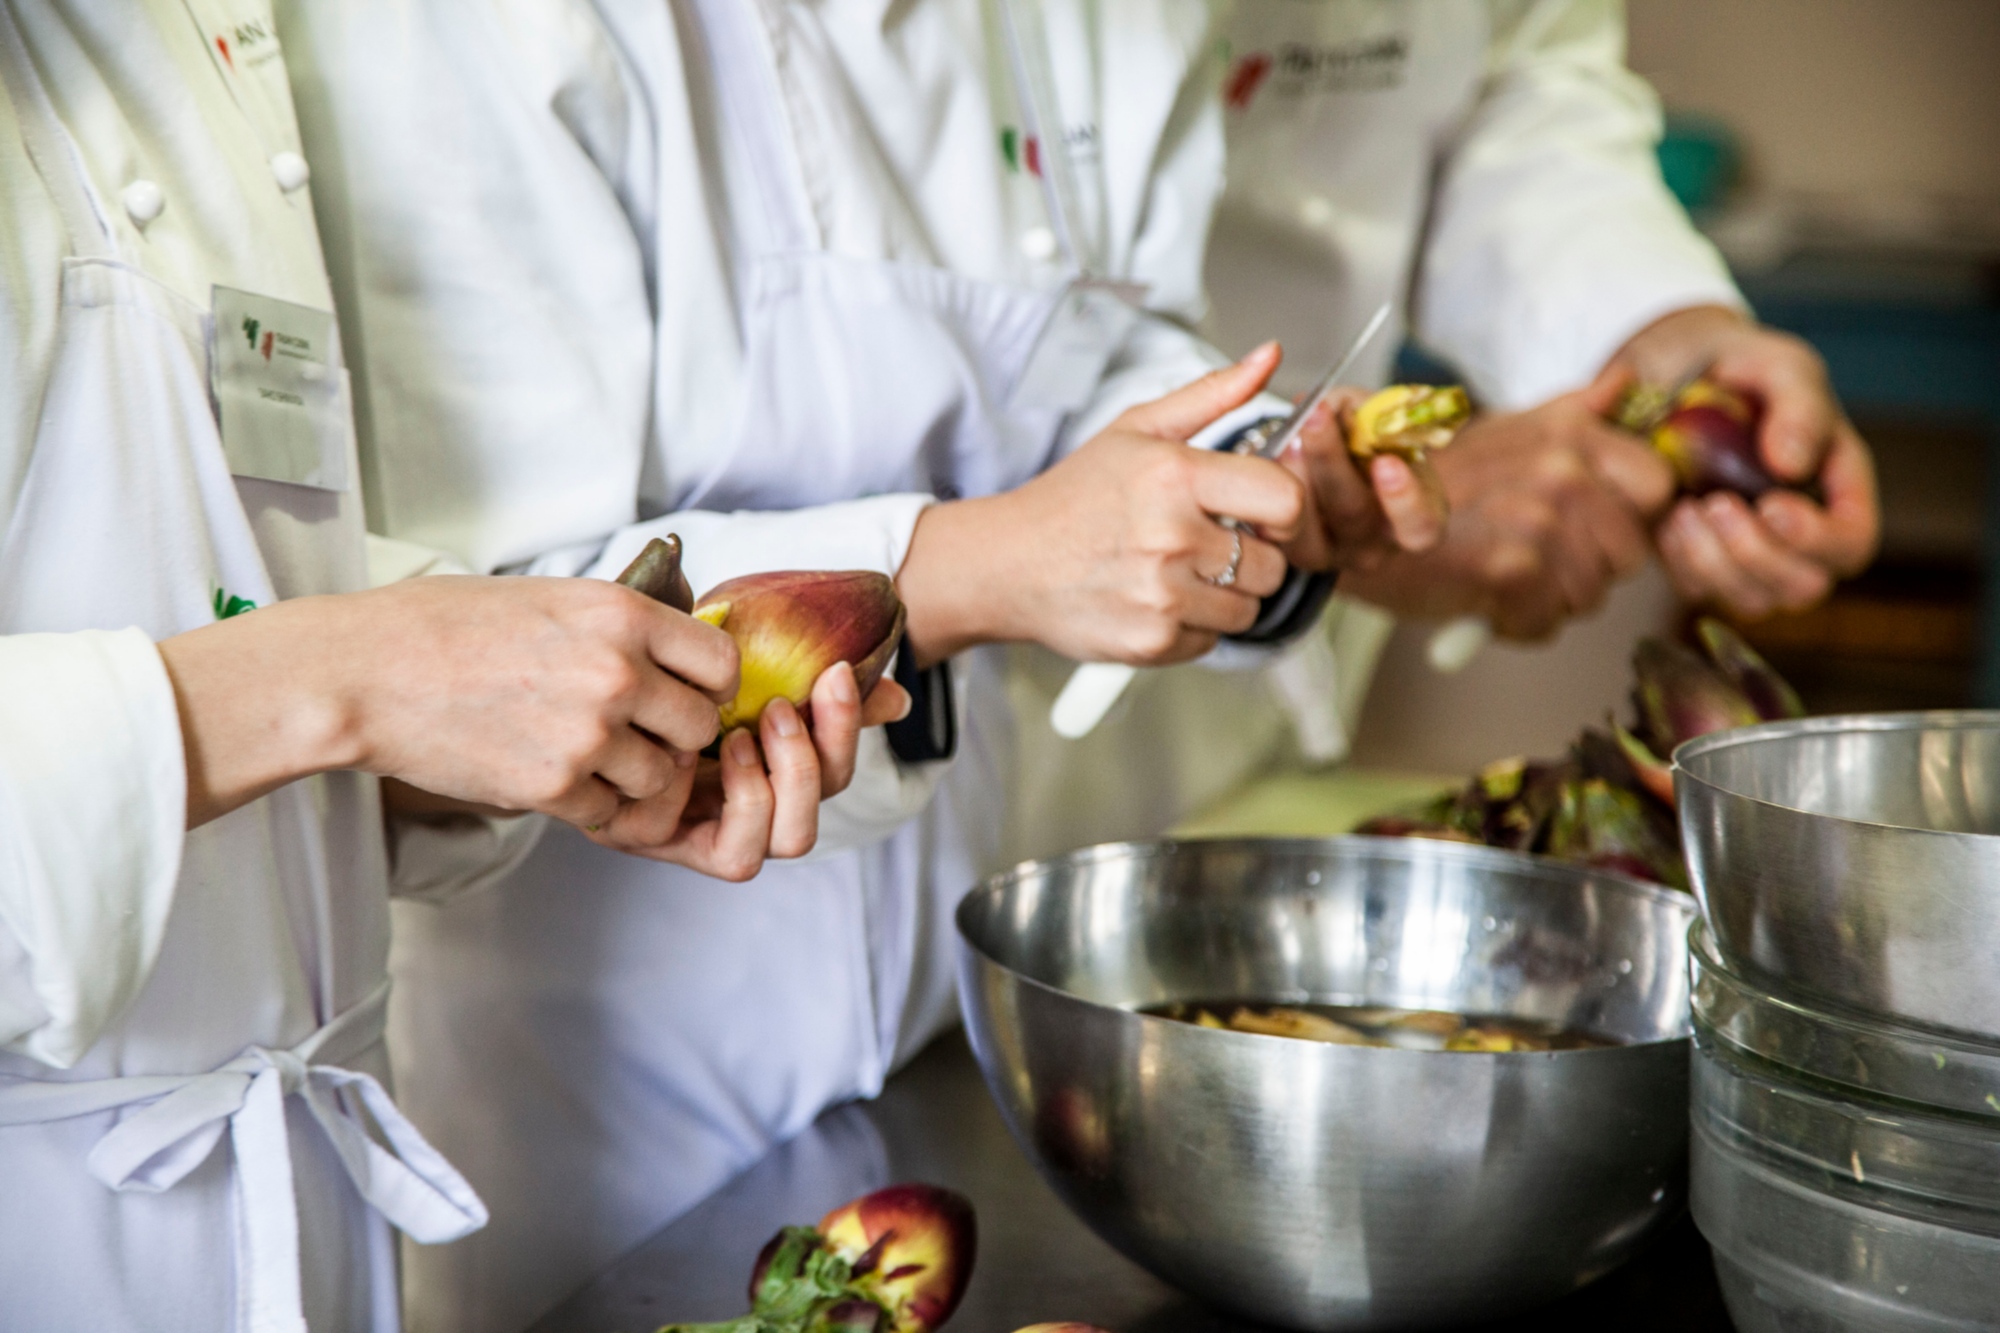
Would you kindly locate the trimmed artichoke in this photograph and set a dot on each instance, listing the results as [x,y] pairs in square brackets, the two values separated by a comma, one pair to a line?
[1407,420]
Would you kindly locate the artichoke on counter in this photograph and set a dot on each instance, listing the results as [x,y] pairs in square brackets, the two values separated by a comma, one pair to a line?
[910,1248]
[1609,802]
[1768,692]
[894,1261]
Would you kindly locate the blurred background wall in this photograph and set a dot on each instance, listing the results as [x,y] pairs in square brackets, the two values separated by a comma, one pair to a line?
[1846,156]
[1875,101]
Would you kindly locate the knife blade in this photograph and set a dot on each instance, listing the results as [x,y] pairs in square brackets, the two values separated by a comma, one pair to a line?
[1276,442]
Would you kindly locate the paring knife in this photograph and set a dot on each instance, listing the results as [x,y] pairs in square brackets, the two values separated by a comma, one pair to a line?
[1093,687]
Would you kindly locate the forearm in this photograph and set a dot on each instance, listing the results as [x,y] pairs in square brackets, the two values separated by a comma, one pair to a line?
[260,704]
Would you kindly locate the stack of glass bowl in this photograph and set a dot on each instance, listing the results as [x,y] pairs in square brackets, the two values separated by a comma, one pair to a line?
[1846,997]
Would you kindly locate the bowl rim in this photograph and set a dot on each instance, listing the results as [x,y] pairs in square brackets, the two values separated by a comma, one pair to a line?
[1706,956]
[1939,719]
[1408,849]
[1152,848]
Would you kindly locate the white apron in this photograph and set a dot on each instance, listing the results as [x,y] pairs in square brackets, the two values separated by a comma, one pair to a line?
[1336,113]
[1487,165]
[599,1041]
[263,1017]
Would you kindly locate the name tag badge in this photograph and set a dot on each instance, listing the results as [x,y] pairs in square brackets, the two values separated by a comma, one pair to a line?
[1089,323]
[279,391]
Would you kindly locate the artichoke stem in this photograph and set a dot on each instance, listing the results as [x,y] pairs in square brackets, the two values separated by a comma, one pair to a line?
[657,572]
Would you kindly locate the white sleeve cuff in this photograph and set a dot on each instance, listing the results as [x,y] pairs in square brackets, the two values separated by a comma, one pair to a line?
[872,533]
[392,561]
[434,860]
[1321,678]
[93,810]
[884,794]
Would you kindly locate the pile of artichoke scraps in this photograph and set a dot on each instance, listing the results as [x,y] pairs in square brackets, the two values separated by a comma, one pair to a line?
[1609,802]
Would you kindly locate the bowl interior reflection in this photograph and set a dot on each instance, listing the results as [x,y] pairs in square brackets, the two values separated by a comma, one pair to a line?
[1356,921]
[1937,771]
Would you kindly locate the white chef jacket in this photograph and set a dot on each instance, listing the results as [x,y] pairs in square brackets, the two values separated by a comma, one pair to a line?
[161,988]
[565,293]
[1487,167]
[528,216]
[100,797]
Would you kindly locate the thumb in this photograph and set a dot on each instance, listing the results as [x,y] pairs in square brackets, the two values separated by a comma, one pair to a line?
[1601,395]
[1185,411]
[1797,431]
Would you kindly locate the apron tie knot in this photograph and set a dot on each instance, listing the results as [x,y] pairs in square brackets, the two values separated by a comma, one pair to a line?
[291,1070]
[152,1150]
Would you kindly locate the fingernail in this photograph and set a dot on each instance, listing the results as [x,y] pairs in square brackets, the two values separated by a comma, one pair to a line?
[686,758]
[742,750]
[1258,352]
[846,690]
[784,718]
[908,704]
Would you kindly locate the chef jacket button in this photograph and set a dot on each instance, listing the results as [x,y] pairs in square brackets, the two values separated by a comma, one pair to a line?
[290,169]
[143,201]
[1038,244]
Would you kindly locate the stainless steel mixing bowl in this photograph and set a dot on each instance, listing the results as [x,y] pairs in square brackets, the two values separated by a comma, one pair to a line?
[1855,858]
[1794,1259]
[1338,1187]
[1831,1214]
[1856,1054]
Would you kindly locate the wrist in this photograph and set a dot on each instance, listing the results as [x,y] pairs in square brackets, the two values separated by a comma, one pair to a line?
[951,596]
[258,706]
[1680,342]
[329,728]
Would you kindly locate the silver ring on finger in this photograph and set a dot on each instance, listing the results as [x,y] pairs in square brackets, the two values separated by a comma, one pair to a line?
[1227,578]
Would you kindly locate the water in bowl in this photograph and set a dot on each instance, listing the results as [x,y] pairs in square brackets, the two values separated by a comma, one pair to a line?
[1376,1025]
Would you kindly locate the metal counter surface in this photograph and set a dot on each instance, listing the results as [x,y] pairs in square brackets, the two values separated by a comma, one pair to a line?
[1036,1262]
